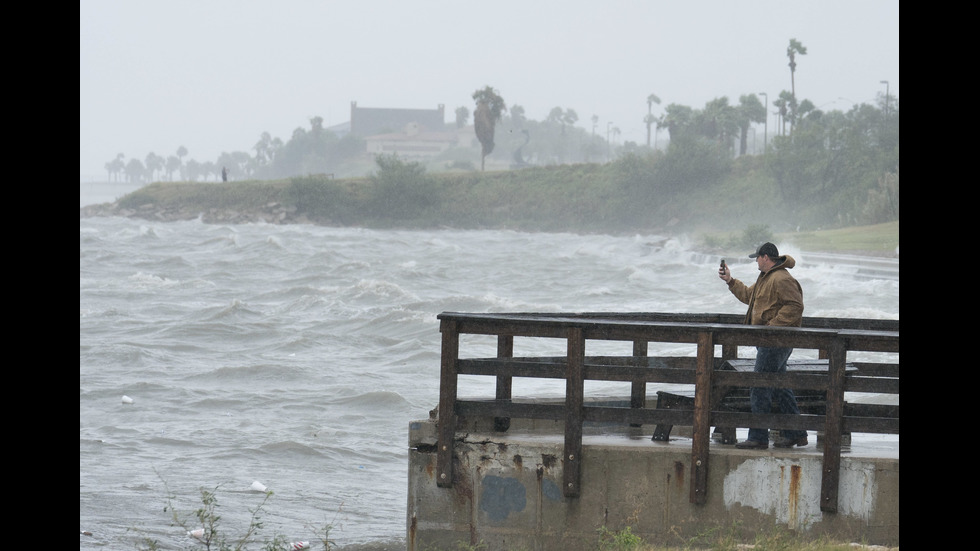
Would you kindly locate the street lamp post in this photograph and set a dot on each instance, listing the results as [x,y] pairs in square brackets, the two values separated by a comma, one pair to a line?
[765,134]
[885,82]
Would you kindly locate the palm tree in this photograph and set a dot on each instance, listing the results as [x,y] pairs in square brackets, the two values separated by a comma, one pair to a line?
[154,163]
[115,166]
[135,171]
[794,48]
[786,104]
[719,121]
[749,110]
[173,165]
[562,117]
[489,107]
[570,118]
[649,120]
[181,153]
[676,119]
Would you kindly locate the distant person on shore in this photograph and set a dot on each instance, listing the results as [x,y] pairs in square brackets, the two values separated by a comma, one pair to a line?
[224,174]
[775,298]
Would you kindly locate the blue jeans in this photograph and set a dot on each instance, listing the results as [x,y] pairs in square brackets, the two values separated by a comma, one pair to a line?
[773,360]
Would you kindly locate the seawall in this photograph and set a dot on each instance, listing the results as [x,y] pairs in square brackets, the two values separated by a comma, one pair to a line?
[506,489]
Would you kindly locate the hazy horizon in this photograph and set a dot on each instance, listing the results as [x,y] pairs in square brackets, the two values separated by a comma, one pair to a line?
[214,76]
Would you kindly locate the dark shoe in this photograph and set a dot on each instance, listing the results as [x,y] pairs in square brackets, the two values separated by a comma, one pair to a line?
[752,445]
[790,442]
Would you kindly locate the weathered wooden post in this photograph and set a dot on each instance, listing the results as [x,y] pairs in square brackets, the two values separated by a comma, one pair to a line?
[447,403]
[574,402]
[834,427]
[702,417]
[505,349]
[638,389]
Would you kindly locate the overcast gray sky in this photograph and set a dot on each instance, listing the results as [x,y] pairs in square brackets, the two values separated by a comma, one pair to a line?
[213,75]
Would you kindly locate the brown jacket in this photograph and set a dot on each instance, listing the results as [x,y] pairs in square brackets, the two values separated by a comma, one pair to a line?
[775,298]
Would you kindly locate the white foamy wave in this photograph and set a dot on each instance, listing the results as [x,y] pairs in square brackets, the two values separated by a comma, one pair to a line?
[147,231]
[857,312]
[380,288]
[151,281]
[495,303]
[600,291]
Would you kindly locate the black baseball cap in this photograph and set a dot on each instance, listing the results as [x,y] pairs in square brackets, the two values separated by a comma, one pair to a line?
[767,249]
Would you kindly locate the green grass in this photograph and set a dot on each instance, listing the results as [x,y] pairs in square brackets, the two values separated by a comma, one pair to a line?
[876,239]
[577,198]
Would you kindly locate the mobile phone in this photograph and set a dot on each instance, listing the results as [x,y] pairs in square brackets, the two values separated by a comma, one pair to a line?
[722,269]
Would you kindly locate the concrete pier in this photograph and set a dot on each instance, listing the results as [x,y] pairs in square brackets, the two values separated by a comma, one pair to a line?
[506,490]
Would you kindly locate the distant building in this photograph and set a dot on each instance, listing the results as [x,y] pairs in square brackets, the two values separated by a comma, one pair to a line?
[411,143]
[408,133]
[370,121]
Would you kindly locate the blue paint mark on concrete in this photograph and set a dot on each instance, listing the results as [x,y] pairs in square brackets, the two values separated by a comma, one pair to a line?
[550,490]
[500,496]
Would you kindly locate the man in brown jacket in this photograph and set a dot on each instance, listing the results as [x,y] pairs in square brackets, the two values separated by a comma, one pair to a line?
[775,298]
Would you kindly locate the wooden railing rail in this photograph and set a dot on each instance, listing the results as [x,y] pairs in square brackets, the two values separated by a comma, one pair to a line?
[833,337]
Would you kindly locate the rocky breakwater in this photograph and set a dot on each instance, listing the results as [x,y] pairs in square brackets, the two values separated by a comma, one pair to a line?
[270,213]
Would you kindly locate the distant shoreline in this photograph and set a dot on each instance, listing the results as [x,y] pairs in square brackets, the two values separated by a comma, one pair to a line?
[271,203]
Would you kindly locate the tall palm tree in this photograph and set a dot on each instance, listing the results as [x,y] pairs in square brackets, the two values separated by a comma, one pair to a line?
[795,47]
[651,99]
[489,107]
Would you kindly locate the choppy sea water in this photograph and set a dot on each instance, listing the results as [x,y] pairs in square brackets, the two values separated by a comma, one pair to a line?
[296,356]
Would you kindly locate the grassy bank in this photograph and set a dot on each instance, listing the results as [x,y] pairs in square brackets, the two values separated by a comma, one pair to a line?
[874,240]
[879,239]
[568,198]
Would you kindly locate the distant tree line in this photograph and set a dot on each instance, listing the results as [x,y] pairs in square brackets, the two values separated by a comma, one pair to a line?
[815,154]
[313,151]
[840,165]
[834,169]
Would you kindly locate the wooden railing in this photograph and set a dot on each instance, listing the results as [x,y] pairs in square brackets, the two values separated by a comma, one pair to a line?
[832,337]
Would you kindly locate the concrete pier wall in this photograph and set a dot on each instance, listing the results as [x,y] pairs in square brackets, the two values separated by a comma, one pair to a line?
[507,495]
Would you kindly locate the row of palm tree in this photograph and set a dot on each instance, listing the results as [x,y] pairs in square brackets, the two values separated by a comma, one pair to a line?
[134,170]
[554,140]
